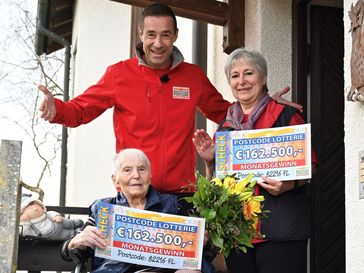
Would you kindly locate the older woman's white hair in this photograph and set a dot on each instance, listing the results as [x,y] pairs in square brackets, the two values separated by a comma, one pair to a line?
[119,158]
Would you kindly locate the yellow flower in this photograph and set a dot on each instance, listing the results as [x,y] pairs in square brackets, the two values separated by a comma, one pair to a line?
[217,181]
[240,185]
[251,208]
[246,211]
[255,223]
[255,207]
[229,184]
[229,203]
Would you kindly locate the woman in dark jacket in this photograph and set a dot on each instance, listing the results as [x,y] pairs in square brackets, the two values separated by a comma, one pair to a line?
[286,230]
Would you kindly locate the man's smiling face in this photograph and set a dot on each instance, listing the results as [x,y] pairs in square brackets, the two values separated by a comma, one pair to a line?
[158,36]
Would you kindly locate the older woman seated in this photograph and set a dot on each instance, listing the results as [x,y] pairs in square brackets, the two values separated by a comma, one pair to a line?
[131,179]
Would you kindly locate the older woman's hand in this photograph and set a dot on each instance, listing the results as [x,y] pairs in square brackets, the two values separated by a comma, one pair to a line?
[276,187]
[204,144]
[90,237]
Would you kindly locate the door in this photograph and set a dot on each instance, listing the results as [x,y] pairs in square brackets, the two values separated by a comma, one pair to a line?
[327,118]
[318,33]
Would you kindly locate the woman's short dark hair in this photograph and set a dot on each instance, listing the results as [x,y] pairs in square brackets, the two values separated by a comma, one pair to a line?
[157,9]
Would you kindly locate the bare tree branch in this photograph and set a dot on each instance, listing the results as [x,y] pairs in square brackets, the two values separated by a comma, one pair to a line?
[19,72]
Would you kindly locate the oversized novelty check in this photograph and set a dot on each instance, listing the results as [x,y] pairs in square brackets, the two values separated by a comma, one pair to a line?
[282,153]
[149,238]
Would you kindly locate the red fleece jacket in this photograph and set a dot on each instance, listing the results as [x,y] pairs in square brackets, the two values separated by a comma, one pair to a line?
[155,117]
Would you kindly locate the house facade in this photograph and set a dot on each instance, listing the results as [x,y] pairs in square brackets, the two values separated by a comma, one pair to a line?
[307,45]
[101,36]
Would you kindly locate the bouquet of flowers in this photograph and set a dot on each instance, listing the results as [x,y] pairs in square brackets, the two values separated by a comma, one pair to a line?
[231,211]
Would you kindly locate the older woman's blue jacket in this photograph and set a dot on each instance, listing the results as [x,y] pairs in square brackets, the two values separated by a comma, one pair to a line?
[164,203]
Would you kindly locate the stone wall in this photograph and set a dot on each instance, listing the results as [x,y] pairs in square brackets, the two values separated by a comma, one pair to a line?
[10,158]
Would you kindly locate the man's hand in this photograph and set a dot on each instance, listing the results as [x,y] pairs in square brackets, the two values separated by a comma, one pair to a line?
[278,98]
[48,107]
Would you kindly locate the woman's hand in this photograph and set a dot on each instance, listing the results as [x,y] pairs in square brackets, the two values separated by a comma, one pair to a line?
[206,238]
[89,237]
[204,144]
[276,187]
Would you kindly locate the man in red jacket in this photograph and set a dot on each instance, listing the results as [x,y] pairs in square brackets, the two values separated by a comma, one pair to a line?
[154,96]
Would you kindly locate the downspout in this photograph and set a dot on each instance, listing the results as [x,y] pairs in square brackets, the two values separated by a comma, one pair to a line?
[42,31]
[199,57]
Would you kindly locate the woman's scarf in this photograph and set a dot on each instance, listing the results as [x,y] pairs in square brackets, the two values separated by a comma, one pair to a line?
[234,120]
[235,115]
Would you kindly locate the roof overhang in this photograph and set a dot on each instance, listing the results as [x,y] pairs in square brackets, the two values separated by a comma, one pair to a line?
[56,16]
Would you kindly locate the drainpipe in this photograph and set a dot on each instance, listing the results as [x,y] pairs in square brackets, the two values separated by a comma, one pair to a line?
[199,57]
[42,31]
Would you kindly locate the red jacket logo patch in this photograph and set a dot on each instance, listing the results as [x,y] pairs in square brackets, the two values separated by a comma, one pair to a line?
[181,93]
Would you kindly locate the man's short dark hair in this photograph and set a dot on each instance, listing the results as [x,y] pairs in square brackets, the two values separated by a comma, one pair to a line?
[157,9]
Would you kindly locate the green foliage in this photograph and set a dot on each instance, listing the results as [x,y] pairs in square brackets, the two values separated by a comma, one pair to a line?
[230,209]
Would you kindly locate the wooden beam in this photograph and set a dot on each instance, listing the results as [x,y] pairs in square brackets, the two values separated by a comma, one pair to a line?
[136,17]
[209,11]
[230,14]
[234,29]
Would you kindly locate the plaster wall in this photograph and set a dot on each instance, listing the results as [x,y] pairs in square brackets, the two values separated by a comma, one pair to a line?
[276,42]
[101,38]
[353,124]
[216,59]
[268,29]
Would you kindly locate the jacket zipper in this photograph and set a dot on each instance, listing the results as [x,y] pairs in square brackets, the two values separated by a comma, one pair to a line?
[149,98]
[161,136]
